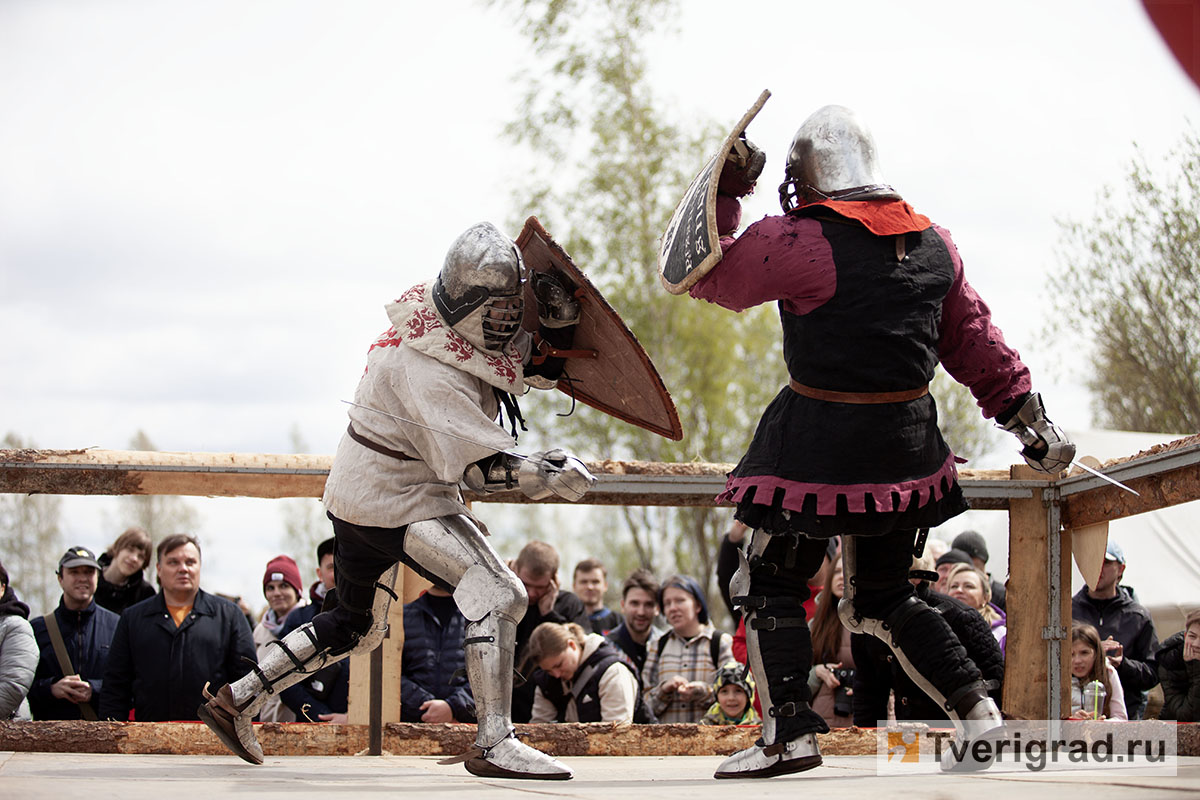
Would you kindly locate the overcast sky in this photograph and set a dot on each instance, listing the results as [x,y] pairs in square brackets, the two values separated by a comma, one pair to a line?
[204,206]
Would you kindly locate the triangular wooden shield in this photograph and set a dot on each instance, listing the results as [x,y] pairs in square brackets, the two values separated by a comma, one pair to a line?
[691,247]
[620,379]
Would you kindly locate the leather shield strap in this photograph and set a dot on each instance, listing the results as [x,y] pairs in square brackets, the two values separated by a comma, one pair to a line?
[858,398]
[378,448]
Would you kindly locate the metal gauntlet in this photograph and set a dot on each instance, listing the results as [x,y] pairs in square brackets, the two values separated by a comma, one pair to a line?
[554,472]
[1046,448]
[493,474]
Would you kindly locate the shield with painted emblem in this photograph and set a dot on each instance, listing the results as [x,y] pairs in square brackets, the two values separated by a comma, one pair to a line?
[691,247]
[605,367]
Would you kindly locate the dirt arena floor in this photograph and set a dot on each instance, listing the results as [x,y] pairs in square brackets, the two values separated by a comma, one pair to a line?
[174,777]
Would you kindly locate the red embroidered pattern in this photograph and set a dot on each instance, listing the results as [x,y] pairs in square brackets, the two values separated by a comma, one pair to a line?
[420,323]
[502,367]
[460,347]
[413,295]
[389,338]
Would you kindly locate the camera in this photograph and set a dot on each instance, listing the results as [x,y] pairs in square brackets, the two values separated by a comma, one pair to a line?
[842,704]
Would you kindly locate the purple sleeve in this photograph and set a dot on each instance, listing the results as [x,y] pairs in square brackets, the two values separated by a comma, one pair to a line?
[972,349]
[776,258]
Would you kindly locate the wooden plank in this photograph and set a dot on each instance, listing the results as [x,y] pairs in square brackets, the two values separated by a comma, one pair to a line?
[568,739]
[410,739]
[392,647]
[124,472]
[1110,502]
[1027,606]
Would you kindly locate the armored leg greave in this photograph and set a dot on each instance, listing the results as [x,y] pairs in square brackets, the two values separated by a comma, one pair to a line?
[768,586]
[328,638]
[493,600]
[923,644]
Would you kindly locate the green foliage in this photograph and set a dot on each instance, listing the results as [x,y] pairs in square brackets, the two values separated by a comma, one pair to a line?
[32,541]
[609,172]
[962,425]
[1132,288]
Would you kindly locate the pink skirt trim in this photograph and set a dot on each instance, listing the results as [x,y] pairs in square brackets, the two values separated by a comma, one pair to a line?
[928,489]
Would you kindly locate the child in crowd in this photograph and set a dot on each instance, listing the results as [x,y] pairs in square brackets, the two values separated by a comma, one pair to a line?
[735,694]
[1089,664]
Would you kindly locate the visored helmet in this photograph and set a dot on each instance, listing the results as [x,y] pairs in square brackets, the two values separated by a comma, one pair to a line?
[832,157]
[480,292]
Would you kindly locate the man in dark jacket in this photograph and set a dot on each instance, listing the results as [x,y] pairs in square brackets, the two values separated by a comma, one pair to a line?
[86,630]
[433,679]
[166,648]
[877,674]
[639,607]
[1126,629]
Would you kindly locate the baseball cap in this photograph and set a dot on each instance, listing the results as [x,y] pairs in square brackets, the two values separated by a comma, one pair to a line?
[953,556]
[971,543]
[78,557]
[1114,552]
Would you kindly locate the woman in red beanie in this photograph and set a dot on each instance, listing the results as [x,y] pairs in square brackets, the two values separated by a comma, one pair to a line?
[283,589]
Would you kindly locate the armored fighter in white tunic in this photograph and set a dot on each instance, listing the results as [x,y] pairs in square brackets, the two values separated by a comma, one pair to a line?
[423,422]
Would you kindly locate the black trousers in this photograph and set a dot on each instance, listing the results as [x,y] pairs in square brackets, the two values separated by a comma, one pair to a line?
[361,554]
[881,586]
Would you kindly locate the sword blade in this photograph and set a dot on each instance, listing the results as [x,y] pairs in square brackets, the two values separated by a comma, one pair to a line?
[1102,476]
[408,421]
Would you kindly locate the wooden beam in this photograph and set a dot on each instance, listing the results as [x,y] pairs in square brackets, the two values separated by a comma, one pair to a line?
[124,472]
[568,739]
[407,739]
[1165,475]
[1026,665]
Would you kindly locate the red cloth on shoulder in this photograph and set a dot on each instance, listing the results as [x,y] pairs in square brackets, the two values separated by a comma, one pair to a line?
[881,217]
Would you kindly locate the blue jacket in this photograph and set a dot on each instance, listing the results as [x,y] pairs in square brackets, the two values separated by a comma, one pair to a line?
[160,670]
[86,635]
[432,666]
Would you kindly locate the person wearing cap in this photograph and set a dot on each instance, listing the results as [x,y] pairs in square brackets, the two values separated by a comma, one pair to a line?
[1129,640]
[72,691]
[973,544]
[681,667]
[166,647]
[946,562]
[18,651]
[282,587]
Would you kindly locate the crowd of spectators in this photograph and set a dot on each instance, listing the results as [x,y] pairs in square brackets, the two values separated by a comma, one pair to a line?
[114,647]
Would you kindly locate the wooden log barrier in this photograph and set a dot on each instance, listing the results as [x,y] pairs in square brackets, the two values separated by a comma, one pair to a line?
[402,738]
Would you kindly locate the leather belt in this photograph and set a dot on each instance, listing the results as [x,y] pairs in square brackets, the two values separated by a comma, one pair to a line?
[858,398]
[378,448]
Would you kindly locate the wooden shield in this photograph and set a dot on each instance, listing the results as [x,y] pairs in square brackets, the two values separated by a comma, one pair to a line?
[619,379]
[690,247]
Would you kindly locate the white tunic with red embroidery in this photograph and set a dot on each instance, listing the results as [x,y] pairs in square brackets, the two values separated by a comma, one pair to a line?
[423,371]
